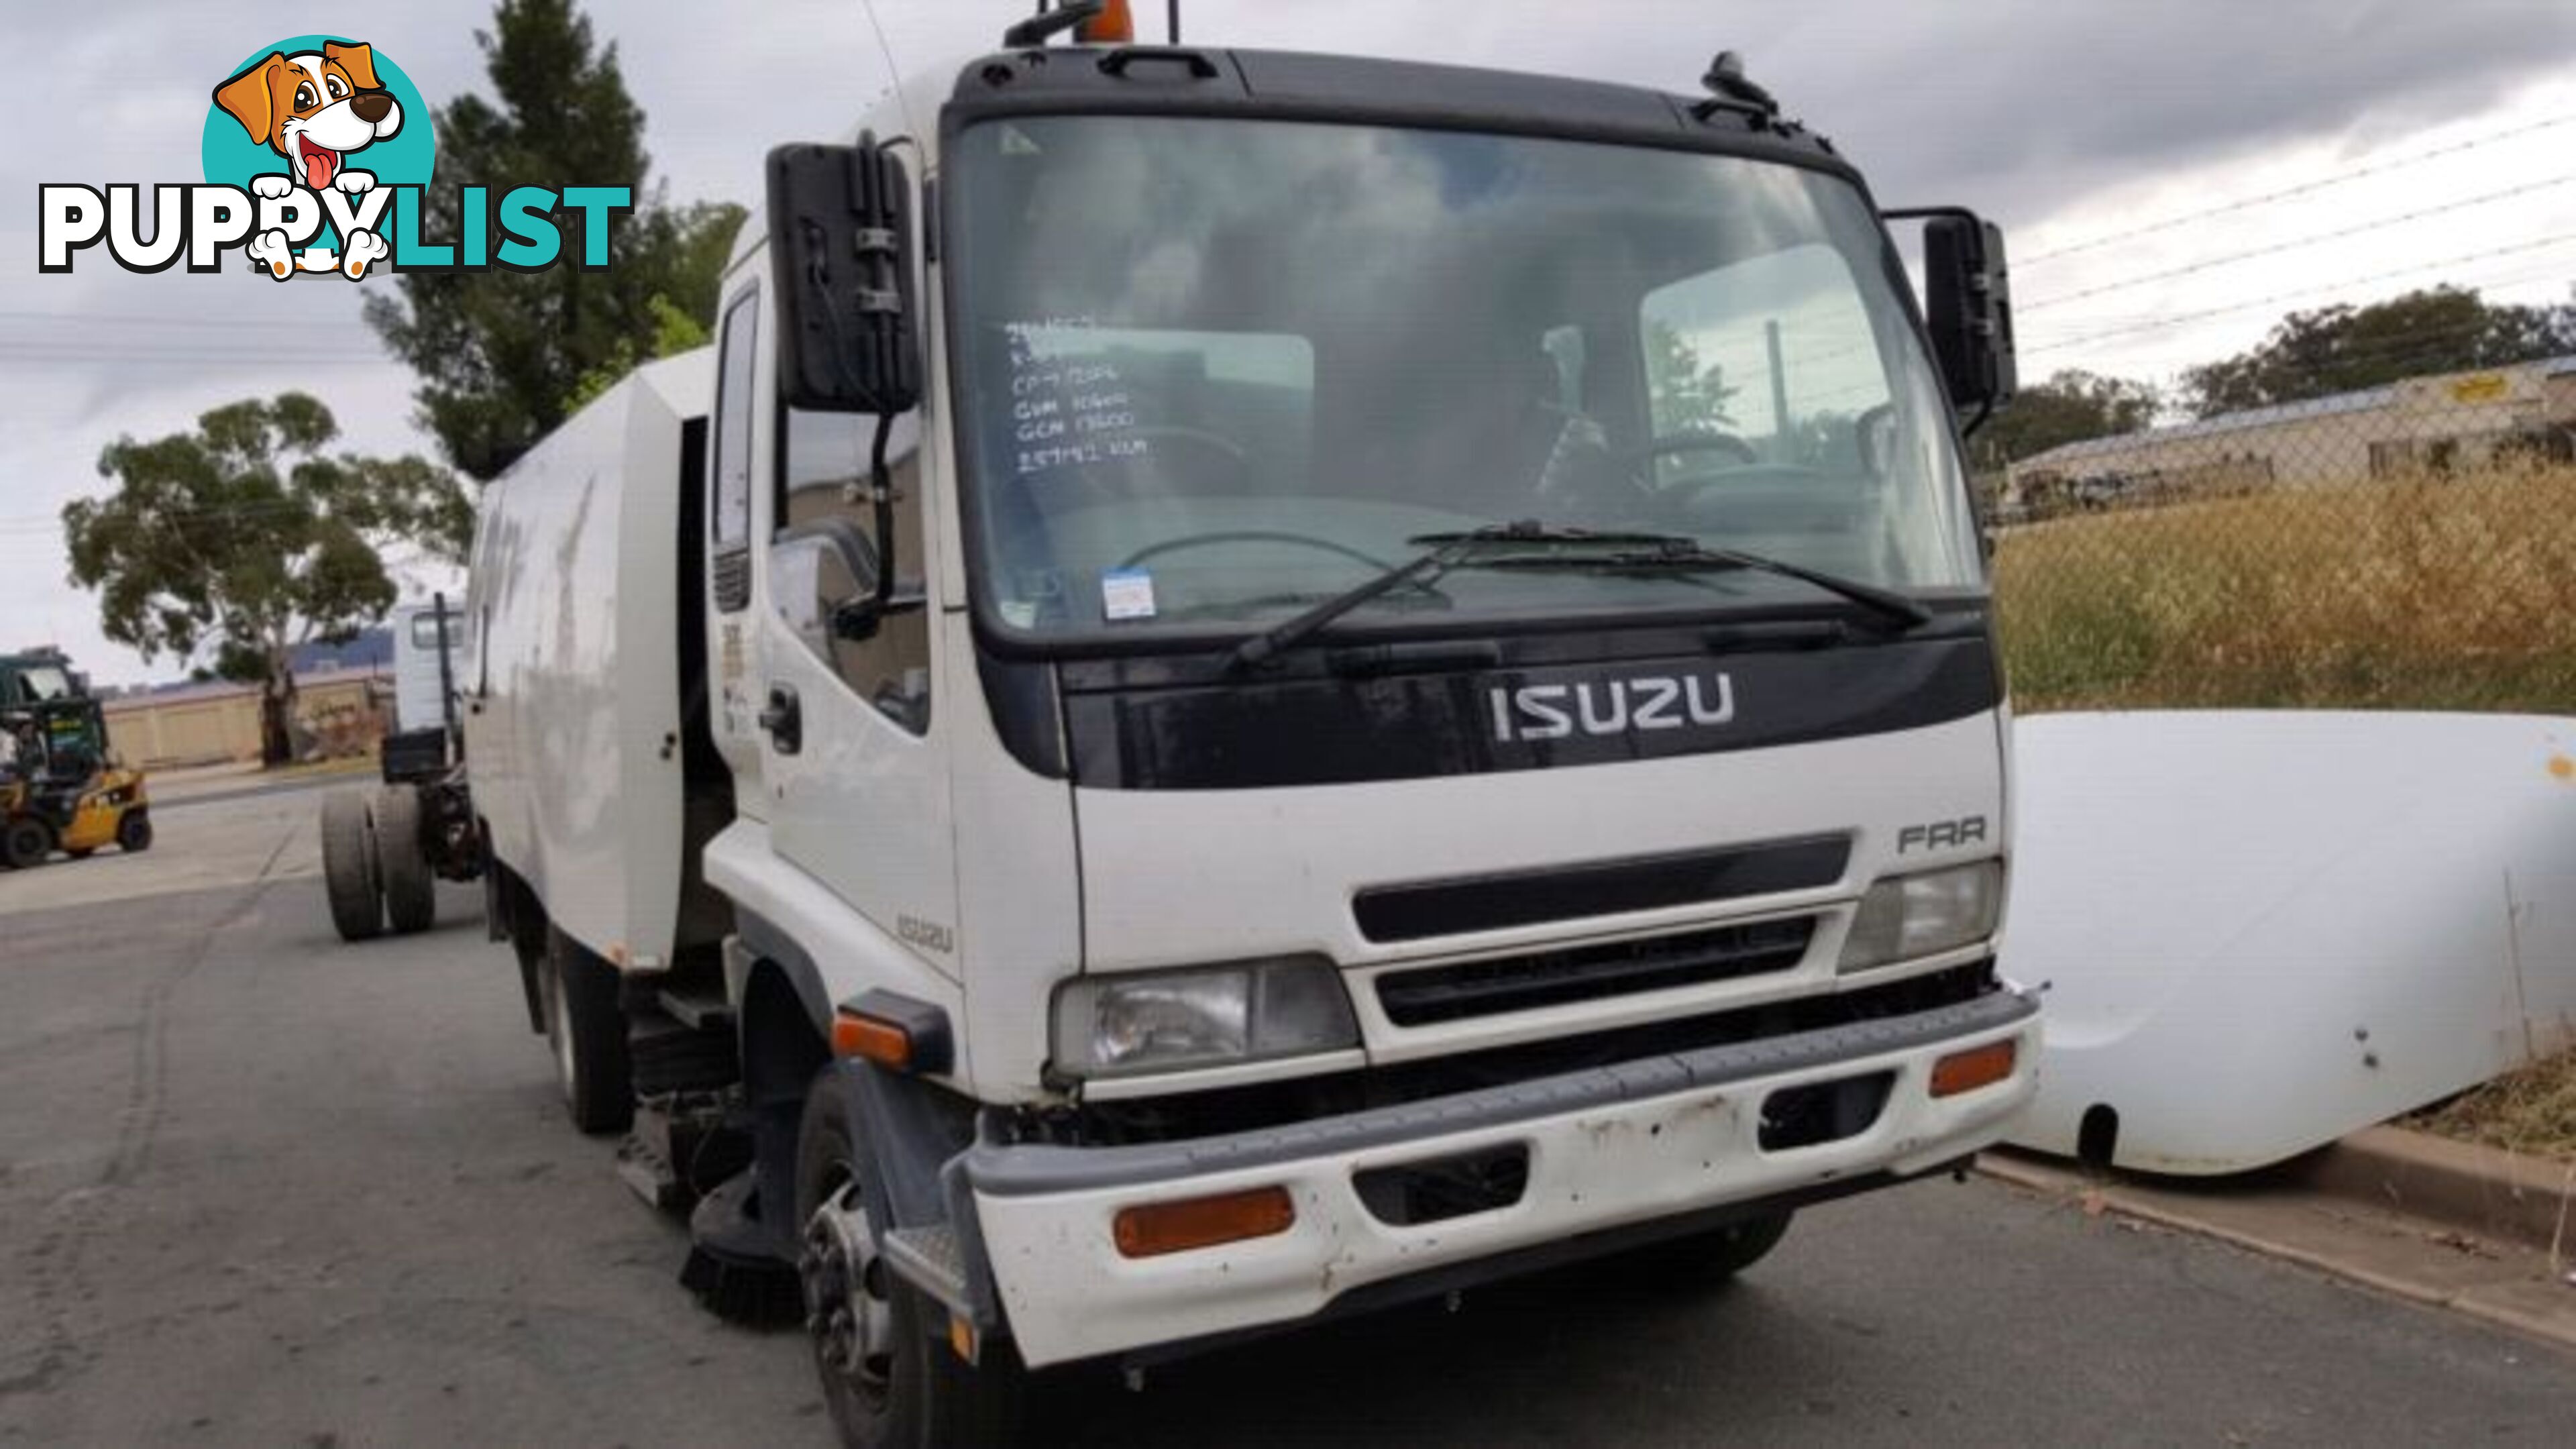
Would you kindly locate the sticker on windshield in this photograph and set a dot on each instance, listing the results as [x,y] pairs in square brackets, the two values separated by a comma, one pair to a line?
[1127,594]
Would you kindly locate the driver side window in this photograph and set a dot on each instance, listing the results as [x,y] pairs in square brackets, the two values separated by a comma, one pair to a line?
[1774,351]
[827,540]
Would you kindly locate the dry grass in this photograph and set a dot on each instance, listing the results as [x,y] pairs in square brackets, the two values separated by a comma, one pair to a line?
[2531,1111]
[2428,593]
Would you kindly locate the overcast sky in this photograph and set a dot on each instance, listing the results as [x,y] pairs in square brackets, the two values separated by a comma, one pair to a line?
[2070,123]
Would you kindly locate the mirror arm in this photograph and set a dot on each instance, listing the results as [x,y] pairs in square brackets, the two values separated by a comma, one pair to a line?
[881,486]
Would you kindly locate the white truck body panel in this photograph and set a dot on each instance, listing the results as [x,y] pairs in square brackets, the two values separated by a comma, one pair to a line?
[573,714]
[2261,931]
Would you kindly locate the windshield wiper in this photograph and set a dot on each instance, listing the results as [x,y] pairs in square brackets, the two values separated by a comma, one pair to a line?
[1446,551]
[1676,553]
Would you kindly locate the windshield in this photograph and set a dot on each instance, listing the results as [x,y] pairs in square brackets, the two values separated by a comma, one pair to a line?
[1214,370]
[40,684]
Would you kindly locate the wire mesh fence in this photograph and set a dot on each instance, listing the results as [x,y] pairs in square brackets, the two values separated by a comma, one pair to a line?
[2406,546]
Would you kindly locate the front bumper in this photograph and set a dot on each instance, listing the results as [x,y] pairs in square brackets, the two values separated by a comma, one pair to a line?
[1608,1148]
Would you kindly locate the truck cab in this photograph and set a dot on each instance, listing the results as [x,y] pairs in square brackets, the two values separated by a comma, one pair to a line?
[1249,685]
[1340,677]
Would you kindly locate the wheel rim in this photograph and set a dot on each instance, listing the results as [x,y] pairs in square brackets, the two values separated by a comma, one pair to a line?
[849,1314]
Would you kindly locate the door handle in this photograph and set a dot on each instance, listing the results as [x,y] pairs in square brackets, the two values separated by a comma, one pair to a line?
[784,719]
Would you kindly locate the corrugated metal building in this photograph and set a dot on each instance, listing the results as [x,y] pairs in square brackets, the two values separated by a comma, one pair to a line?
[2452,422]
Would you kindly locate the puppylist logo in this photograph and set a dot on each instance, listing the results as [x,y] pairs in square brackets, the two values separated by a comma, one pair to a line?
[318,153]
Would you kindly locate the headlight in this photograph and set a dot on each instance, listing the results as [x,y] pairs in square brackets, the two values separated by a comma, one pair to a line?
[1915,915]
[1168,1021]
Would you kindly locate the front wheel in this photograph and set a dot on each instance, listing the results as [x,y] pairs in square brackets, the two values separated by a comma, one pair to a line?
[880,1346]
[134,832]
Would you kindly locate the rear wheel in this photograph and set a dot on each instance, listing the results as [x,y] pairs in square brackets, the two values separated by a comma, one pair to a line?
[349,867]
[1714,1257]
[880,1346]
[411,892]
[134,832]
[587,1030]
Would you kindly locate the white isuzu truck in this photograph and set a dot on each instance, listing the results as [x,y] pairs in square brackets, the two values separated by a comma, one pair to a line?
[1252,685]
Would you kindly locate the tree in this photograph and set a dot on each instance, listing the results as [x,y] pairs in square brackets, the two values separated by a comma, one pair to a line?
[246,539]
[503,355]
[674,331]
[1683,394]
[2345,348]
[2070,406]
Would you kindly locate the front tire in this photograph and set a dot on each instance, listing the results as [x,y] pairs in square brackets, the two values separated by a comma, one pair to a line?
[880,1347]
[587,1029]
[134,832]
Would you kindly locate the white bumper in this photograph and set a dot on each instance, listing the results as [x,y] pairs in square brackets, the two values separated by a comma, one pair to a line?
[1607,1148]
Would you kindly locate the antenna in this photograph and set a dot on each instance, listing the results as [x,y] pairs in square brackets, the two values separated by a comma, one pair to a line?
[894,72]
[1172,22]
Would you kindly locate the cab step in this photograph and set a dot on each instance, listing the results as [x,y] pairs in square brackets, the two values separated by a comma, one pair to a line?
[932,1259]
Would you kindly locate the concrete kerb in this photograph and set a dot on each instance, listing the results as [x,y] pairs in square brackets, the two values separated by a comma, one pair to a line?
[2483,1190]
[2470,1230]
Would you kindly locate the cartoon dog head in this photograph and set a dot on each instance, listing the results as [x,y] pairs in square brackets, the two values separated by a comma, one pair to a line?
[313,108]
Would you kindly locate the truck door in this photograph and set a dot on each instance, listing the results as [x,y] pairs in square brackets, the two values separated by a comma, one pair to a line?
[734,681]
[852,756]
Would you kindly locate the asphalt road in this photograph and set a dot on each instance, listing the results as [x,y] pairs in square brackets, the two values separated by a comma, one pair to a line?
[257,1187]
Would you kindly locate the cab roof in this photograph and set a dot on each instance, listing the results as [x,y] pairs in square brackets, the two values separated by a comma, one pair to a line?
[934,104]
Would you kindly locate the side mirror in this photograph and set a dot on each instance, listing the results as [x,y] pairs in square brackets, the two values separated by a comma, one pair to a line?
[840,251]
[1967,306]
[823,576]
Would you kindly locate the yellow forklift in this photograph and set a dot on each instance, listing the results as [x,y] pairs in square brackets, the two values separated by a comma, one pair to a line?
[58,789]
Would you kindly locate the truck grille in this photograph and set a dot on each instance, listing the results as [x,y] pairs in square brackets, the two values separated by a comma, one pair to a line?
[1588,973]
[1421,909]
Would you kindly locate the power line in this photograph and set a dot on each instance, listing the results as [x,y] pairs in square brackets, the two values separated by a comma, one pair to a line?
[148,319]
[186,519]
[2314,239]
[10,354]
[2178,319]
[2302,189]
[2099,326]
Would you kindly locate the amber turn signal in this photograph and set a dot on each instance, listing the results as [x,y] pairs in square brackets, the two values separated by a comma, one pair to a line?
[1976,1067]
[1112,26]
[1153,1229]
[869,1039]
